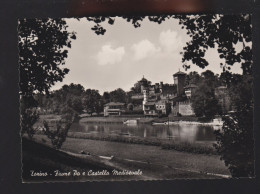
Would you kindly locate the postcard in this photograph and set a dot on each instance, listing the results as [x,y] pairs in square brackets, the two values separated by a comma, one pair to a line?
[123,98]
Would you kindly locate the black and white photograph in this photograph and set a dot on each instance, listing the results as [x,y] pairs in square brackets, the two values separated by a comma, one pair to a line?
[129,98]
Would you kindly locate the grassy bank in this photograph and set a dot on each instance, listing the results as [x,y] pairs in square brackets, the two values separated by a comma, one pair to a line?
[197,148]
[114,119]
[120,119]
[148,158]
[37,157]
[140,119]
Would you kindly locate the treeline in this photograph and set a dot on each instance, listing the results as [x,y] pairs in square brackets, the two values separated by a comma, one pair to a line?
[204,100]
[75,98]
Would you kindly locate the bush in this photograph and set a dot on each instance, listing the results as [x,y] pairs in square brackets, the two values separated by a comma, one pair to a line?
[28,118]
[58,136]
[235,143]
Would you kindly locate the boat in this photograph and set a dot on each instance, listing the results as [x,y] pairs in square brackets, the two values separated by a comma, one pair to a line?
[125,134]
[130,122]
[171,123]
[154,123]
[217,122]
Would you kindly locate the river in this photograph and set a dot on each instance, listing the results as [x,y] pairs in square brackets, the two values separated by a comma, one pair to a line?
[182,132]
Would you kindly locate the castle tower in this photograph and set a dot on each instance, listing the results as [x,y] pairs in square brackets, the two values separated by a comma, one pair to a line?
[145,93]
[144,84]
[179,80]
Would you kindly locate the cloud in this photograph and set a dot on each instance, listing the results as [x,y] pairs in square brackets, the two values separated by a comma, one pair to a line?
[108,55]
[170,41]
[144,49]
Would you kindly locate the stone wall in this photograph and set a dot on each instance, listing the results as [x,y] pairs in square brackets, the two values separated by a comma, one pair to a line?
[185,109]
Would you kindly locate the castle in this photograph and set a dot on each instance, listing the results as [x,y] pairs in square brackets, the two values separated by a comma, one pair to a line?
[163,99]
[167,99]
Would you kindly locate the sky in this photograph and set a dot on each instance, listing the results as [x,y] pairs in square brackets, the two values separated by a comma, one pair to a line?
[125,54]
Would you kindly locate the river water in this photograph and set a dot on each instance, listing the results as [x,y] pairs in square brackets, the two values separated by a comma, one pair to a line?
[180,132]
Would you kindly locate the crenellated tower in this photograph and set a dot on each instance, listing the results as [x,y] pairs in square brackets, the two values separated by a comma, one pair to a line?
[179,80]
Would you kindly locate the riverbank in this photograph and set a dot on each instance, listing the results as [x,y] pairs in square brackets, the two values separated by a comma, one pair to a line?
[42,163]
[155,162]
[52,118]
[197,148]
[141,120]
[147,120]
[169,143]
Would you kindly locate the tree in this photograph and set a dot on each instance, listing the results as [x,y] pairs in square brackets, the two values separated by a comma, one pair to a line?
[137,86]
[193,78]
[235,141]
[204,102]
[223,32]
[68,99]
[210,78]
[118,95]
[106,97]
[92,101]
[59,135]
[42,50]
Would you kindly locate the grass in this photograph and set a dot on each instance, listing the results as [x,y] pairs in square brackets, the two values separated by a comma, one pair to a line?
[196,148]
[190,147]
[42,158]
[151,154]
[114,119]
[164,144]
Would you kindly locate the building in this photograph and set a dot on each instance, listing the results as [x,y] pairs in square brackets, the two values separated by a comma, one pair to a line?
[114,109]
[179,81]
[182,108]
[163,107]
[189,89]
[162,99]
[157,108]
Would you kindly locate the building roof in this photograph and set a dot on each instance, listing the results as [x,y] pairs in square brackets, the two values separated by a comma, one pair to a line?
[221,87]
[179,73]
[114,104]
[149,103]
[191,86]
[161,102]
[137,97]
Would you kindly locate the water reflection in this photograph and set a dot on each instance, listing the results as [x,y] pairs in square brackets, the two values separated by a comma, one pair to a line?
[190,133]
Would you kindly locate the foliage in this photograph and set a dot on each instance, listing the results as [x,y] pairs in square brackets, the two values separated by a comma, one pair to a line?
[59,135]
[192,78]
[118,95]
[28,119]
[221,32]
[235,142]
[68,99]
[207,31]
[106,97]
[42,44]
[137,86]
[92,101]
[42,50]
[204,102]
